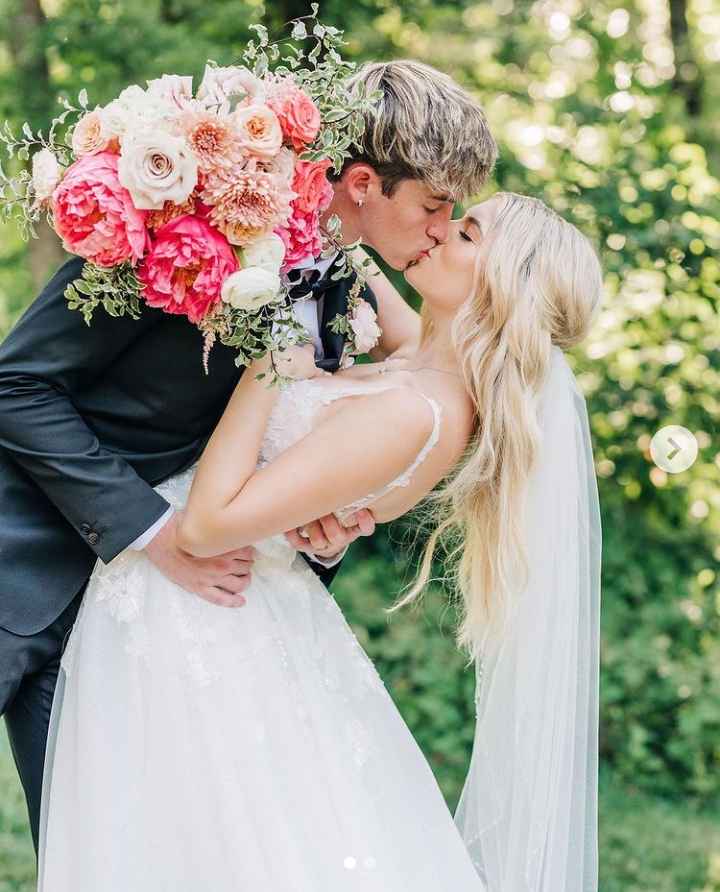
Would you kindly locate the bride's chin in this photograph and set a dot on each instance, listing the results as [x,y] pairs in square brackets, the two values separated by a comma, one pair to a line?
[413,276]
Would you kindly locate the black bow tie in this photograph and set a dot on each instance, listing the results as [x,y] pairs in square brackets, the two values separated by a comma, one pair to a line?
[311,283]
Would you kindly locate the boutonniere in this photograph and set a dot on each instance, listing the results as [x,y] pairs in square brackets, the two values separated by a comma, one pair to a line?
[359,324]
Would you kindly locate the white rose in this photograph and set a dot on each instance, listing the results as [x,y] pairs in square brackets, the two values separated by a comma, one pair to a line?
[283,165]
[266,253]
[135,108]
[174,88]
[219,84]
[251,288]
[116,118]
[365,328]
[46,173]
[155,168]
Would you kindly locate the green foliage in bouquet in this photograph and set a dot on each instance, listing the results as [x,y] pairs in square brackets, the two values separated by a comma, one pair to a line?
[115,288]
[324,74]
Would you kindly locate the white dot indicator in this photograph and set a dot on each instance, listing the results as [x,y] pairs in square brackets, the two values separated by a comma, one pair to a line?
[674,448]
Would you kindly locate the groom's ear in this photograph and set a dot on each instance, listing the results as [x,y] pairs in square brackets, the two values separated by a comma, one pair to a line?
[361,181]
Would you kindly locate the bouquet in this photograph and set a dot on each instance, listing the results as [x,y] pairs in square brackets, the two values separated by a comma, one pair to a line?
[200,202]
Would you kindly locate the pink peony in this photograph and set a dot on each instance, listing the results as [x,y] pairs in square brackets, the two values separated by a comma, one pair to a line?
[94,215]
[299,116]
[185,270]
[301,238]
[310,183]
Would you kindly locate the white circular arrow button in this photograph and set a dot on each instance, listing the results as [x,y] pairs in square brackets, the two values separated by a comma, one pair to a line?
[674,448]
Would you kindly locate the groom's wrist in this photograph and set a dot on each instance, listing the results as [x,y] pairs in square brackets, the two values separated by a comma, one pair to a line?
[144,539]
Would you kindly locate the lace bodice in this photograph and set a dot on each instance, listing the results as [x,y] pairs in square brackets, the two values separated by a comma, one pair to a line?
[293,418]
[294,415]
[120,585]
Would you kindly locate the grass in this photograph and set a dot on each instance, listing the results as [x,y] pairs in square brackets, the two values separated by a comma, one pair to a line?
[647,845]
[17,858]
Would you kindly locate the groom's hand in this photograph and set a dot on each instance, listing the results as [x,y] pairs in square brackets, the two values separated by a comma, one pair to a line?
[219,580]
[326,537]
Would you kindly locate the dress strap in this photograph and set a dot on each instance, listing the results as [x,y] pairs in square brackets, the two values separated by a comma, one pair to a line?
[328,392]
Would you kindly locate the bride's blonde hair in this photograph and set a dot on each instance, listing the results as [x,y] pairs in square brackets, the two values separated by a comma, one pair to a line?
[538,285]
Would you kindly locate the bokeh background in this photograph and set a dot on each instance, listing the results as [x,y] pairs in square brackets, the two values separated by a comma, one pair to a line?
[609,112]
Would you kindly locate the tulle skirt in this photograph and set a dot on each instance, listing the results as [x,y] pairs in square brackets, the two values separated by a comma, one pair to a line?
[199,747]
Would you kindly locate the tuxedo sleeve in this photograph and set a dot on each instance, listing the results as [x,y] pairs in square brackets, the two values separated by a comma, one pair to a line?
[44,361]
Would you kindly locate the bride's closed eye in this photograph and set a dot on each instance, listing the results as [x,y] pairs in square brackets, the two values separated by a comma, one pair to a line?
[464,235]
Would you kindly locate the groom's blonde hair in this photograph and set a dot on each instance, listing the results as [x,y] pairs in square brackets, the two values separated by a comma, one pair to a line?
[424,127]
[538,285]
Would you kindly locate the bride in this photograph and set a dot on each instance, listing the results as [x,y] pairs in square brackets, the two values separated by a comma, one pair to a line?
[196,747]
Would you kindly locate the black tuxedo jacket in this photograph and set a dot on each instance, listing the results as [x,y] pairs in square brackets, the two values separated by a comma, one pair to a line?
[91,418]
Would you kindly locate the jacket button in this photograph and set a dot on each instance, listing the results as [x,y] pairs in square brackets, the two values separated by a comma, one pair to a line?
[85,527]
[93,538]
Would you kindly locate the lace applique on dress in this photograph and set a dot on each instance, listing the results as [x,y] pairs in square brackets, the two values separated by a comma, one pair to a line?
[121,585]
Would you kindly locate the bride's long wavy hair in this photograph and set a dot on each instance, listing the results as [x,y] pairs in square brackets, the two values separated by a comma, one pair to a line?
[538,285]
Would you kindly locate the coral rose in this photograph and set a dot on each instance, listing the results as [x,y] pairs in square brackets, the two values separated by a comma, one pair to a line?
[94,214]
[310,183]
[299,116]
[185,270]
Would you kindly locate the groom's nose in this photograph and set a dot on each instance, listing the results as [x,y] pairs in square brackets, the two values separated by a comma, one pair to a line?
[439,227]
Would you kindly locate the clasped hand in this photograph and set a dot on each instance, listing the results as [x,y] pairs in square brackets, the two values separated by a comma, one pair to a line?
[222,579]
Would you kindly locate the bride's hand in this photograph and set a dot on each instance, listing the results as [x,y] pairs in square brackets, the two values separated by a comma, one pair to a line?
[297,362]
[327,538]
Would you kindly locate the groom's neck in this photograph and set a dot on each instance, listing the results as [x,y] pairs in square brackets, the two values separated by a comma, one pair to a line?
[342,207]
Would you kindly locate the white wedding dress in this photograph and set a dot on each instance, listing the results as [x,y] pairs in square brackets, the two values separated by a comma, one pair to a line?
[247,750]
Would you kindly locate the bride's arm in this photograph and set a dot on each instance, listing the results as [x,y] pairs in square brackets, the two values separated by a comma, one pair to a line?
[356,451]
[400,324]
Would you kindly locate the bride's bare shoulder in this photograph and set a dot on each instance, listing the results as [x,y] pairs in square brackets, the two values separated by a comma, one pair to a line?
[458,415]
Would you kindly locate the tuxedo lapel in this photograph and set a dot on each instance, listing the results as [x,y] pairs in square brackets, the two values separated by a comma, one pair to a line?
[335,300]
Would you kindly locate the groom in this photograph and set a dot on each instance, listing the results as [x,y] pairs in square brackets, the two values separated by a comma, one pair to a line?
[92,418]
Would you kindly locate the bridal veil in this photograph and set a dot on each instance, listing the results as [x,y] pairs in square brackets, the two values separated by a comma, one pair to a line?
[528,811]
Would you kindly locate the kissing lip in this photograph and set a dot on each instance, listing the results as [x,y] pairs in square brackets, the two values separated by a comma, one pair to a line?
[421,256]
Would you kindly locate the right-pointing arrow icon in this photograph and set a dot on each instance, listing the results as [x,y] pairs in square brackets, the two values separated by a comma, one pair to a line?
[674,448]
